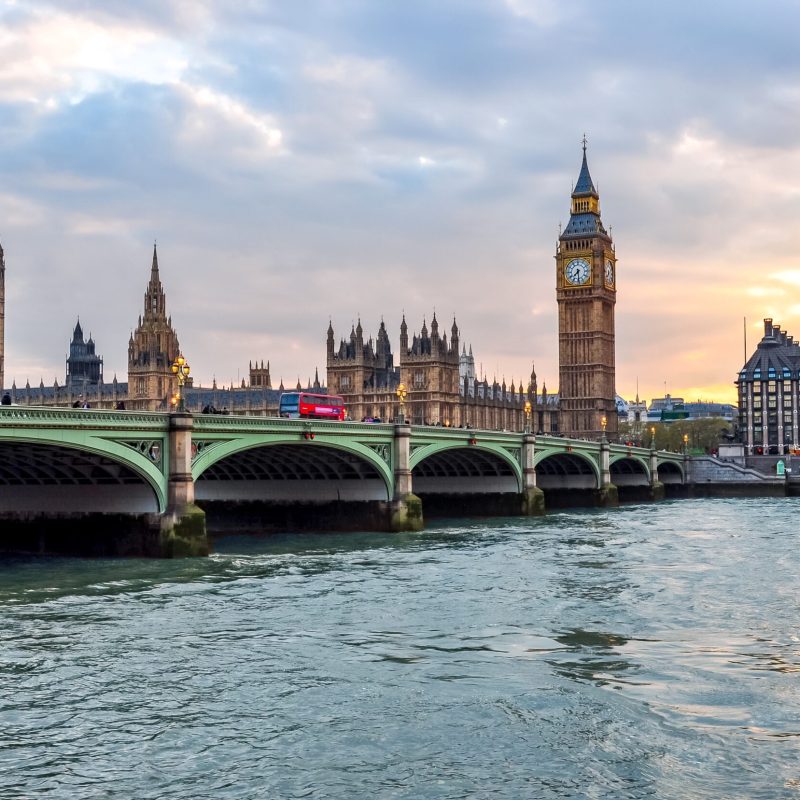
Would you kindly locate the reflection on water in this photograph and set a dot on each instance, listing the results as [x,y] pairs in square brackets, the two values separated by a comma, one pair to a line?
[650,651]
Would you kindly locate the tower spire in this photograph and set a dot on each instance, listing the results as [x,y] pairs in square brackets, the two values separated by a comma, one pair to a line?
[584,184]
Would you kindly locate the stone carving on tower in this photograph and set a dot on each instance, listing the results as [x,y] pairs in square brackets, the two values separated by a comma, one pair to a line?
[430,369]
[586,290]
[152,348]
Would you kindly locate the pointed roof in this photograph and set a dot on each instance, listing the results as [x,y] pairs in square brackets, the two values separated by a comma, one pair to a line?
[585,222]
[154,267]
[584,184]
[77,335]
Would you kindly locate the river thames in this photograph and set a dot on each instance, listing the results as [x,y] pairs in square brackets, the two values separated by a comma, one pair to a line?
[648,651]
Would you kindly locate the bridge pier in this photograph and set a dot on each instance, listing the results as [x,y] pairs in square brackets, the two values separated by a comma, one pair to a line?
[406,507]
[607,495]
[532,496]
[183,525]
[657,489]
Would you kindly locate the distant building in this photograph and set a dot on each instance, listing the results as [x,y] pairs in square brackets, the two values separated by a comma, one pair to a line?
[666,409]
[84,366]
[768,394]
[637,415]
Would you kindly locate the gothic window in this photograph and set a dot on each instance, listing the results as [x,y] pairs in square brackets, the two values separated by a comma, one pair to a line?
[344,382]
[419,379]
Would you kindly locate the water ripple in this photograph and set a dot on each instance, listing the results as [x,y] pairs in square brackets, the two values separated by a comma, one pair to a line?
[646,652]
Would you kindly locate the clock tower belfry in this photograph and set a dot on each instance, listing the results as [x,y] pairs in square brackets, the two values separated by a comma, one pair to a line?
[586,290]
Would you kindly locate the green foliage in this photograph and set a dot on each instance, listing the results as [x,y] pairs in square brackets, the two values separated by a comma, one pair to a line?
[703,435]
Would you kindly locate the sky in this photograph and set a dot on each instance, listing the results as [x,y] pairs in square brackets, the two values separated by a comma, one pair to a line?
[315,160]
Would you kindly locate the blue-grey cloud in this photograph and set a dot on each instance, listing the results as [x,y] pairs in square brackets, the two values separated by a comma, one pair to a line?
[301,161]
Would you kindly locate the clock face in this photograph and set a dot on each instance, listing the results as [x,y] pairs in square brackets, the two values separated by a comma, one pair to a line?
[609,272]
[577,271]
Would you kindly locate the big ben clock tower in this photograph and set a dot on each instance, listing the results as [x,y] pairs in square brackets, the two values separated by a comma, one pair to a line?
[586,289]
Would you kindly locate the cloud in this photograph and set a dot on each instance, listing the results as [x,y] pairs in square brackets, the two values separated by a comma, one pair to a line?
[301,161]
[50,58]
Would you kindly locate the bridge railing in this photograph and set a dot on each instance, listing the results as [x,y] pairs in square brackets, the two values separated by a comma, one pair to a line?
[82,417]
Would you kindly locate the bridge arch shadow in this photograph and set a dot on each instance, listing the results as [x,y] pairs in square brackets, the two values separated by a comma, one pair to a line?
[45,479]
[629,471]
[465,470]
[567,479]
[466,481]
[278,486]
[566,471]
[670,473]
[291,472]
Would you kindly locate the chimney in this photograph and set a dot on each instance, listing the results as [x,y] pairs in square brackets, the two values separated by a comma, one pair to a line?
[767,327]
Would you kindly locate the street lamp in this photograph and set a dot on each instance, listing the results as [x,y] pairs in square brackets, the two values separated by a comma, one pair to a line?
[653,437]
[180,368]
[527,416]
[603,423]
[402,393]
[685,443]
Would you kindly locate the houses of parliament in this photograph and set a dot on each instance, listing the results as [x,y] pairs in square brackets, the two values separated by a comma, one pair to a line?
[434,372]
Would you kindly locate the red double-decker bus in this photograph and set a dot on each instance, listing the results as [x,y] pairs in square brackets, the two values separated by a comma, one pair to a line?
[307,405]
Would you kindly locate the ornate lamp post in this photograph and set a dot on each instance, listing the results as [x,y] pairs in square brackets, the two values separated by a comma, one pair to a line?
[652,437]
[603,423]
[685,443]
[527,408]
[402,393]
[180,368]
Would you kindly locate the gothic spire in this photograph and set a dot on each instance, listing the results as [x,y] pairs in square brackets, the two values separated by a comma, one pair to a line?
[584,184]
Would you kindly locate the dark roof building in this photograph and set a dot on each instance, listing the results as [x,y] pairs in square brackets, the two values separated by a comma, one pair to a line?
[768,399]
[84,366]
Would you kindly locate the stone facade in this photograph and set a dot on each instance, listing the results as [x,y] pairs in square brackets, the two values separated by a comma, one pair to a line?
[586,288]
[440,383]
[259,375]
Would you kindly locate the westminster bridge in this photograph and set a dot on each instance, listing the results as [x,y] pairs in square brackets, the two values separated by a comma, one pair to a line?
[75,480]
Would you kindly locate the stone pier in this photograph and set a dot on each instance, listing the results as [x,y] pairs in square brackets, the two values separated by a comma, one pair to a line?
[532,496]
[183,525]
[406,507]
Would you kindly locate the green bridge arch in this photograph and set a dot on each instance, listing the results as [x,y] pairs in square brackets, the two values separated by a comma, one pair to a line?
[124,454]
[425,451]
[639,459]
[548,451]
[215,451]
